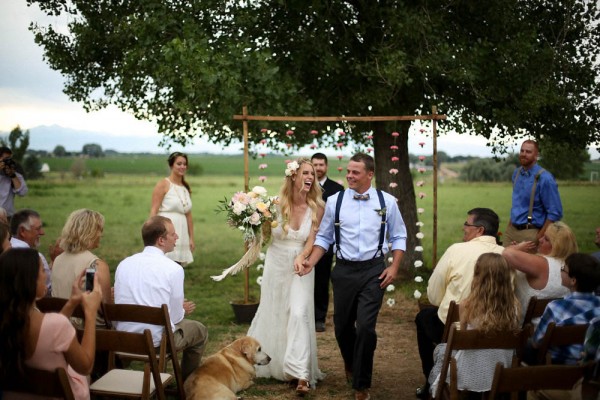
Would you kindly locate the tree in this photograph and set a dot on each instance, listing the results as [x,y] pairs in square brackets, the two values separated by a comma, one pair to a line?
[563,160]
[504,68]
[92,150]
[32,167]
[18,142]
[59,151]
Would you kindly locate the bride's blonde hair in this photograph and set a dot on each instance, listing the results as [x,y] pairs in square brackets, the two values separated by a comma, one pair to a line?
[313,197]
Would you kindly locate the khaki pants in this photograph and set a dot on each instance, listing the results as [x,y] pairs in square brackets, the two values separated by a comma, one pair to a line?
[512,234]
[190,336]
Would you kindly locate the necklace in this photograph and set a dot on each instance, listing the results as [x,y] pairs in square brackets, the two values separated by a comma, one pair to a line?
[185,200]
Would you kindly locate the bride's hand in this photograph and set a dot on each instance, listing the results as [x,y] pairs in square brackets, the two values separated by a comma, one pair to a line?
[298,264]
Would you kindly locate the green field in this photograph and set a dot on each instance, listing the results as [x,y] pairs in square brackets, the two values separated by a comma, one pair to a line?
[124,200]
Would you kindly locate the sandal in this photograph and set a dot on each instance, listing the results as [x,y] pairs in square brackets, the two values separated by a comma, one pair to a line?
[303,387]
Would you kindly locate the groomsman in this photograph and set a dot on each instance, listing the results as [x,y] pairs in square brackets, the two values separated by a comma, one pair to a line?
[323,267]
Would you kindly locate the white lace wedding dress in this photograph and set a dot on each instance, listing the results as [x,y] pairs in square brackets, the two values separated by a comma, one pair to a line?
[285,323]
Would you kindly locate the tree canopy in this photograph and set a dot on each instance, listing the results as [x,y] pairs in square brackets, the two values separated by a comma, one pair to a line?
[502,68]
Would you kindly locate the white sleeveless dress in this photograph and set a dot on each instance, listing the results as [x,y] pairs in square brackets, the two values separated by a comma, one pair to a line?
[285,323]
[554,287]
[176,203]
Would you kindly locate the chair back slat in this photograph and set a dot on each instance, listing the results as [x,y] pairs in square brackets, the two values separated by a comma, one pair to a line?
[42,383]
[560,335]
[535,308]
[451,318]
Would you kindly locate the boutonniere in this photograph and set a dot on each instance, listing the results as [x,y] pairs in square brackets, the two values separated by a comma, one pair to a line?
[381,211]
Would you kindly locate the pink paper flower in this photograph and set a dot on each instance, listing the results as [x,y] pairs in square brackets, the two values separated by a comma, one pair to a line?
[421,158]
[395,134]
[394,147]
[339,144]
[264,130]
[286,162]
[369,136]
[421,170]
[420,183]
[421,144]
[288,145]
[340,157]
[262,166]
[340,169]
[393,171]
[422,130]
[369,149]
[395,159]
[342,133]
[262,178]
[289,133]
[314,132]
[313,146]
[421,195]
[393,184]
[262,155]
[263,141]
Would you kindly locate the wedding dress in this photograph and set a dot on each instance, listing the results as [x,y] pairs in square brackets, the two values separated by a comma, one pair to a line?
[285,323]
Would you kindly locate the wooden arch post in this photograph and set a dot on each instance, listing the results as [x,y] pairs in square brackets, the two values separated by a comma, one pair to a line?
[434,117]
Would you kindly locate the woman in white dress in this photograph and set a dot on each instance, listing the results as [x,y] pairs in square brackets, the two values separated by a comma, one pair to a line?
[284,323]
[171,198]
[539,274]
[490,307]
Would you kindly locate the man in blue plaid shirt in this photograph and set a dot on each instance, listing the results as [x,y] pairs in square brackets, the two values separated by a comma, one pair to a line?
[581,274]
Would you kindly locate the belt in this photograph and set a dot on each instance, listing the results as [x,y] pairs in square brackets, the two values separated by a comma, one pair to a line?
[366,263]
[525,226]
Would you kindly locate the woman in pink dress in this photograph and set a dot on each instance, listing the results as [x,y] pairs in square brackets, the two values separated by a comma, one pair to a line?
[31,338]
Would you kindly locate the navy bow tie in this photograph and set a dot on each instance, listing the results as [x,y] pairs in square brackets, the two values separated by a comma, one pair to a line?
[361,196]
[524,172]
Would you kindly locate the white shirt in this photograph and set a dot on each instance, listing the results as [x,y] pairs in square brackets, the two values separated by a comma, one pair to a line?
[19,244]
[151,279]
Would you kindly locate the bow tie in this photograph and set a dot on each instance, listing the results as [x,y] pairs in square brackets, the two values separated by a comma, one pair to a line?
[524,172]
[361,196]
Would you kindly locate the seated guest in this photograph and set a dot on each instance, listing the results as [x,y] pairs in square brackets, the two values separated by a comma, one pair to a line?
[26,229]
[4,238]
[43,341]
[539,274]
[490,307]
[152,279]
[597,243]
[81,233]
[3,216]
[580,275]
[451,280]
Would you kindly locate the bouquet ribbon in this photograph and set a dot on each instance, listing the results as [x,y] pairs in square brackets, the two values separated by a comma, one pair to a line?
[247,259]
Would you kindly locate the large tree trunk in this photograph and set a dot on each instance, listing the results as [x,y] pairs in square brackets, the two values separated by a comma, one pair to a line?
[404,192]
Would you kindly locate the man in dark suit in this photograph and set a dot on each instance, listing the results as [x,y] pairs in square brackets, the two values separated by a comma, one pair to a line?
[323,267]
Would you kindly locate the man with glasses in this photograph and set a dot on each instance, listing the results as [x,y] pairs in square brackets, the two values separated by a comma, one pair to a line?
[451,280]
[26,229]
[150,278]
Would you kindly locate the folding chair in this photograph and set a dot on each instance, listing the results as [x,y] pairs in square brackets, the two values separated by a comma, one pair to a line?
[153,316]
[42,383]
[56,304]
[125,383]
[535,308]
[475,340]
[538,377]
[451,319]
[559,336]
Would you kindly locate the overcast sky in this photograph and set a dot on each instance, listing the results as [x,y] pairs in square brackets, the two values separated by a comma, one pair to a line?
[31,95]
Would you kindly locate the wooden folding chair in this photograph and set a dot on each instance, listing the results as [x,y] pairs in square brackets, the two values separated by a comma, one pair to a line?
[125,383]
[538,377]
[535,308]
[475,340]
[559,336]
[42,383]
[56,304]
[153,316]
[451,318]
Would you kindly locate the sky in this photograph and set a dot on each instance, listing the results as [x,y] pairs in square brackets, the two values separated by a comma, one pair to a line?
[31,96]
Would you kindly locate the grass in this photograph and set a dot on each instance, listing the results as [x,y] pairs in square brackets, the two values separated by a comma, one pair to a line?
[124,200]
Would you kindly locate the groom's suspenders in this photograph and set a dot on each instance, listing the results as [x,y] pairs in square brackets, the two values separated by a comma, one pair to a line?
[336,225]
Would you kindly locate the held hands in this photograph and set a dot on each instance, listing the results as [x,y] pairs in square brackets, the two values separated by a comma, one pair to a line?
[302,266]
[188,306]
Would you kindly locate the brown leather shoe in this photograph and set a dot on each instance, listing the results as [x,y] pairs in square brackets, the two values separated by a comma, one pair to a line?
[362,395]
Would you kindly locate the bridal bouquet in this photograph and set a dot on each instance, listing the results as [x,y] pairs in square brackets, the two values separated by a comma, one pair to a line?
[248,212]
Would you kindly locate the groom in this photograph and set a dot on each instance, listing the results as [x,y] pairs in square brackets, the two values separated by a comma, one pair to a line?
[362,231]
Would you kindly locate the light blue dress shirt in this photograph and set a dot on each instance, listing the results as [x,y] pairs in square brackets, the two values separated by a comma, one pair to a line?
[360,223]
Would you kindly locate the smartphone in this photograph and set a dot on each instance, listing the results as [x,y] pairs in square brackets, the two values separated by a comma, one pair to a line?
[89,279]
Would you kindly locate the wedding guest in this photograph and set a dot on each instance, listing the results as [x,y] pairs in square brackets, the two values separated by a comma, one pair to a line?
[43,341]
[451,280]
[284,322]
[12,181]
[81,234]
[580,274]
[150,278]
[4,238]
[4,216]
[490,307]
[539,274]
[171,198]
[323,266]
[530,219]
[26,229]
[597,243]
[364,230]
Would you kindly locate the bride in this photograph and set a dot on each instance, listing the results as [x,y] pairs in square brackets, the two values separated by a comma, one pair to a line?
[284,323]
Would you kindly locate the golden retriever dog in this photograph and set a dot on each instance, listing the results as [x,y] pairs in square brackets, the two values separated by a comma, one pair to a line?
[226,372]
